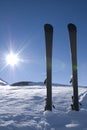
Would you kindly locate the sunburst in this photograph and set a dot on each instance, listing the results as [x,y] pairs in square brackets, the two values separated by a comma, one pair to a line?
[12,59]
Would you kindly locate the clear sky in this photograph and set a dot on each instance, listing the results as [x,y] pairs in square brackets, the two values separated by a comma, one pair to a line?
[22,31]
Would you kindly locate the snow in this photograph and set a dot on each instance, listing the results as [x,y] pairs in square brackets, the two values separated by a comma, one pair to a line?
[22,108]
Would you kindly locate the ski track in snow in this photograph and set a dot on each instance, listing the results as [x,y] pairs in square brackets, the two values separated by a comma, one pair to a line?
[22,108]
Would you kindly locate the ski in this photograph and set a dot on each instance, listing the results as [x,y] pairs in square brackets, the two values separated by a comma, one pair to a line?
[73,46]
[48,43]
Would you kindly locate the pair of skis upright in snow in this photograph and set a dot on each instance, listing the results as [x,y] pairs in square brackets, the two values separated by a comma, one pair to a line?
[48,40]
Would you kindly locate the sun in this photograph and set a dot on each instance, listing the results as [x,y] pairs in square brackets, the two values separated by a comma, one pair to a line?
[12,59]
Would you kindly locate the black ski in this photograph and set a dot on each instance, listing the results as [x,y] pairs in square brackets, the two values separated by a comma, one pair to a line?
[73,46]
[48,41]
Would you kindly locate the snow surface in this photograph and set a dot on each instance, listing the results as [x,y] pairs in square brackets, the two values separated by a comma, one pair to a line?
[22,108]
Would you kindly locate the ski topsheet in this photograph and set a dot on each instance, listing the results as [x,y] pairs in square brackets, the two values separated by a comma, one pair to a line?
[73,46]
[48,42]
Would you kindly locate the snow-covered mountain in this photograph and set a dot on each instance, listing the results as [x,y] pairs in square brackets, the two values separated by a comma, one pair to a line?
[22,108]
[32,83]
[2,82]
[27,83]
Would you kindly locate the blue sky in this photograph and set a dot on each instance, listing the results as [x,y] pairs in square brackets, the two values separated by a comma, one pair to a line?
[22,30]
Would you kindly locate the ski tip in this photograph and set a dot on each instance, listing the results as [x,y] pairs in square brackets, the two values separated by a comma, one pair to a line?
[71,27]
[48,27]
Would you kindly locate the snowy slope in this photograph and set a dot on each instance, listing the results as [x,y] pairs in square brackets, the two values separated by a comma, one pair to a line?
[22,108]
